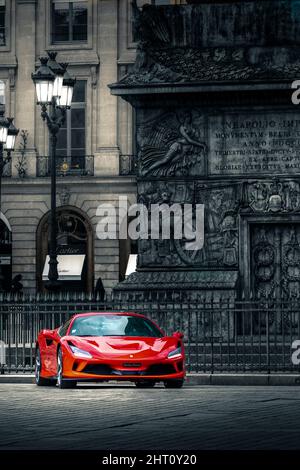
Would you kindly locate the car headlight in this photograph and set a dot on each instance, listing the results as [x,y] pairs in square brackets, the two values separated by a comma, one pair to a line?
[176,353]
[80,352]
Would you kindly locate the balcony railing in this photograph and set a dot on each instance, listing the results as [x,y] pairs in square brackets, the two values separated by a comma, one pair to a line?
[127,165]
[66,166]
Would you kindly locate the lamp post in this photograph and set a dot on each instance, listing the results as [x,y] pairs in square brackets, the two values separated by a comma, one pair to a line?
[54,90]
[8,134]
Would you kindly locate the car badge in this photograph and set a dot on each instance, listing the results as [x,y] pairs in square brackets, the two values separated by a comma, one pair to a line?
[131,355]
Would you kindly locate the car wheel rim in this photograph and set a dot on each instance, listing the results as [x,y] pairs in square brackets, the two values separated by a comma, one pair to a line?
[59,370]
[37,367]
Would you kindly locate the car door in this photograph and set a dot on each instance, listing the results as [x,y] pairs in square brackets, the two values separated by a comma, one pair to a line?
[52,348]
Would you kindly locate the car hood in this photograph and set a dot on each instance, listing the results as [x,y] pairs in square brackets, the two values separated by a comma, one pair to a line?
[124,346]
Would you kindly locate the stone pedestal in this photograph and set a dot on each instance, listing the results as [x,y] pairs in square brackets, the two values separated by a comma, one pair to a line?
[216,126]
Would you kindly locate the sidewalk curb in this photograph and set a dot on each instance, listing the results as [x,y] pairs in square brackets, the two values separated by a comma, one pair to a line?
[243,379]
[197,379]
[17,379]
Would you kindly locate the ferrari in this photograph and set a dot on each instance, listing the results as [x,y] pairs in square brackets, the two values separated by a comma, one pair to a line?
[109,346]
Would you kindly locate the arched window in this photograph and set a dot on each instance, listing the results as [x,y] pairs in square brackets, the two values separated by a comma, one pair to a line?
[74,250]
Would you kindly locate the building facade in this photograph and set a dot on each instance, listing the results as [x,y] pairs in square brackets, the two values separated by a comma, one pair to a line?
[95,162]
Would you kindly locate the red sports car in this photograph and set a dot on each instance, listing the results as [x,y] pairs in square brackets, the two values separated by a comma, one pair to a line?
[109,346]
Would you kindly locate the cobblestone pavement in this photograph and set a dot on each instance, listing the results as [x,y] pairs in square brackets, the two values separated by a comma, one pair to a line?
[110,417]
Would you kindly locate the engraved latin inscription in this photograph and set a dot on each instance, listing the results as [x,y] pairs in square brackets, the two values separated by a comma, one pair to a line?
[251,144]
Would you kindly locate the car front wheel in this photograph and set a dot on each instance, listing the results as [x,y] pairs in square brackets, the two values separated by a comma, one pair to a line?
[173,383]
[61,382]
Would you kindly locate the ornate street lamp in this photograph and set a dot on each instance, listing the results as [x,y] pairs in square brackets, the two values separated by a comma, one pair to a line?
[8,134]
[54,89]
[4,125]
[12,133]
[65,99]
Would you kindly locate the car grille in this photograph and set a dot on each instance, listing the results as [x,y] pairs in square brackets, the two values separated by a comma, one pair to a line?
[104,369]
[127,372]
[97,369]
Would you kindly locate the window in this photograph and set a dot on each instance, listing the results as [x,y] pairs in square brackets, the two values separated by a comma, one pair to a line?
[69,21]
[71,138]
[114,325]
[2,23]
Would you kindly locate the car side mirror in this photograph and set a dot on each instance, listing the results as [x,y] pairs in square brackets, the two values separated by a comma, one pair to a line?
[178,335]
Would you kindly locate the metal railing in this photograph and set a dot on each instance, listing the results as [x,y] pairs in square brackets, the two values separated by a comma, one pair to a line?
[220,336]
[82,165]
[127,165]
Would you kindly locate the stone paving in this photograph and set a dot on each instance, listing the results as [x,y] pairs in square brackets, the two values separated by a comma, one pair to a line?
[111,417]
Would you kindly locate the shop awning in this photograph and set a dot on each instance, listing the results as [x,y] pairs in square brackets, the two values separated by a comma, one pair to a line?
[69,267]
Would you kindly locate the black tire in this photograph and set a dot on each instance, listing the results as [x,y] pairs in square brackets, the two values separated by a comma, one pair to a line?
[40,381]
[61,382]
[174,383]
[145,384]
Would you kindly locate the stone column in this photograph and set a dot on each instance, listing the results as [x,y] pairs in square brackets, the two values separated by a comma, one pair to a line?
[25,92]
[107,152]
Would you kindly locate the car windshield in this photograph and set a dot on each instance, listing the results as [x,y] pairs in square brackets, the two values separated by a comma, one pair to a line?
[114,325]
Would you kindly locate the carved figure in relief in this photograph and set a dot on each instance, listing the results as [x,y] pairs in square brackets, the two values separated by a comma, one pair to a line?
[170,145]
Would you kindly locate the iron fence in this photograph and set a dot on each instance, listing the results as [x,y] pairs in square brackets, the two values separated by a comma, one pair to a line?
[220,336]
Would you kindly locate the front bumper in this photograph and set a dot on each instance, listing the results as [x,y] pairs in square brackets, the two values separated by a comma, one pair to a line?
[122,369]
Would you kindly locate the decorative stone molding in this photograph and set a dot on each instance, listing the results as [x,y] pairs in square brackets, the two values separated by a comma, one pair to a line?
[12,78]
[64,195]
[94,76]
[162,280]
